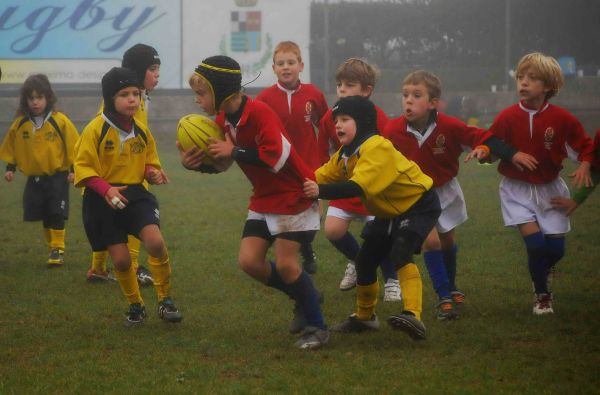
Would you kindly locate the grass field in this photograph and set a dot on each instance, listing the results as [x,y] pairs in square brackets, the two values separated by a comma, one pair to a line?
[59,334]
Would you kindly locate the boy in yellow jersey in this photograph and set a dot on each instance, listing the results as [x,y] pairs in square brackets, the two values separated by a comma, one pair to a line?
[115,154]
[145,62]
[393,189]
[40,143]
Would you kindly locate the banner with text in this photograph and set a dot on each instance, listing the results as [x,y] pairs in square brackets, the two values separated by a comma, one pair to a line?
[77,41]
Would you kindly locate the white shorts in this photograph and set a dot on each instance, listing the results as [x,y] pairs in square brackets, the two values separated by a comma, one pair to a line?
[308,219]
[523,202]
[347,215]
[452,201]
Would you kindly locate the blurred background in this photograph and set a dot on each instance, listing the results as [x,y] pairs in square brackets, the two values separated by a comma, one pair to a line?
[472,45]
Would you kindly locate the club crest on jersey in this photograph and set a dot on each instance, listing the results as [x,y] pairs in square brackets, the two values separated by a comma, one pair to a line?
[440,145]
[137,148]
[50,136]
[26,135]
[548,138]
[109,146]
[308,109]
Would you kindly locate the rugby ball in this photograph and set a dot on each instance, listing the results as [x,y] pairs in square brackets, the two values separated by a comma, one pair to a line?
[193,130]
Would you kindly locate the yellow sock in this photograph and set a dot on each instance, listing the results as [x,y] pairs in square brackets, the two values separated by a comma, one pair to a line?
[99,261]
[133,244]
[161,272]
[129,285]
[366,299]
[412,289]
[57,239]
[47,237]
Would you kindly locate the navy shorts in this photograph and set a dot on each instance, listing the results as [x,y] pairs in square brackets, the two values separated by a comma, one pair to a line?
[258,228]
[46,197]
[105,226]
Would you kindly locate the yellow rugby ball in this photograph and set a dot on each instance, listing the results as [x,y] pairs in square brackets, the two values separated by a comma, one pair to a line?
[193,130]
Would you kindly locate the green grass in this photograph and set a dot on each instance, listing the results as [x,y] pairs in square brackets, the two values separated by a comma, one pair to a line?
[59,334]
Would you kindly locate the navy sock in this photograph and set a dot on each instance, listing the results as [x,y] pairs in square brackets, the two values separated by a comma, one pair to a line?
[388,269]
[305,294]
[536,246]
[555,250]
[434,260]
[275,281]
[347,245]
[450,264]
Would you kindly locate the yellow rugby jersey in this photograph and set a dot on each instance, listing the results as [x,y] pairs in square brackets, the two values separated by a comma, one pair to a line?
[43,151]
[391,183]
[119,158]
[142,113]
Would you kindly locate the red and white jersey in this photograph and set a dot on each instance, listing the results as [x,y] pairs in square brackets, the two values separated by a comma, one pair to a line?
[300,110]
[277,189]
[329,144]
[438,150]
[550,135]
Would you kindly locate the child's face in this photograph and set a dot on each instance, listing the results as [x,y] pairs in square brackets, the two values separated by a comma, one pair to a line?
[204,98]
[531,87]
[345,128]
[152,76]
[352,88]
[416,103]
[287,68]
[127,101]
[37,104]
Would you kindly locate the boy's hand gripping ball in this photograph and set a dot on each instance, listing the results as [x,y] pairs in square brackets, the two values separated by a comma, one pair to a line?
[194,130]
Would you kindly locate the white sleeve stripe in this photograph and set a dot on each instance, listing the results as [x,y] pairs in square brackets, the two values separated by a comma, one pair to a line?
[286,147]
[571,153]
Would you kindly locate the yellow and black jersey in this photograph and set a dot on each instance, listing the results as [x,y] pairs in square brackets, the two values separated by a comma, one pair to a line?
[118,157]
[40,151]
[391,184]
[142,113]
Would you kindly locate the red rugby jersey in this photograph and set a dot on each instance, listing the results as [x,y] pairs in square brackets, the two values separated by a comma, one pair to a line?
[550,135]
[300,110]
[437,152]
[596,161]
[277,189]
[329,144]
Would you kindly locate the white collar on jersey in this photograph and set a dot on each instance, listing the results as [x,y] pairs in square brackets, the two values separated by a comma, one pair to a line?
[421,138]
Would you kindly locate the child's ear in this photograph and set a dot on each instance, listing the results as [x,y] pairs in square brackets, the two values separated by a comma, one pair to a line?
[434,103]
[367,91]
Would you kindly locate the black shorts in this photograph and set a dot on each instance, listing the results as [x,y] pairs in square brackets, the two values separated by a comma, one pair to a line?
[258,228]
[415,223]
[46,196]
[105,226]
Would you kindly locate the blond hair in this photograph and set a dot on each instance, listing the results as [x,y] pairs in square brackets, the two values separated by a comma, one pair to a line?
[546,68]
[359,70]
[196,82]
[288,46]
[430,80]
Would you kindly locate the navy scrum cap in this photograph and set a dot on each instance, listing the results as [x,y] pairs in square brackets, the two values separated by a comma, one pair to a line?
[224,76]
[138,58]
[116,79]
[359,108]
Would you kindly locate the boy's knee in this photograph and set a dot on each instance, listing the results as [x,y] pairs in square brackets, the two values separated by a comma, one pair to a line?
[405,245]
[155,245]
[334,232]
[122,264]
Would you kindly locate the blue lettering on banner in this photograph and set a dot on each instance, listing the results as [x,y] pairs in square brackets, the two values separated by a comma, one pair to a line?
[91,29]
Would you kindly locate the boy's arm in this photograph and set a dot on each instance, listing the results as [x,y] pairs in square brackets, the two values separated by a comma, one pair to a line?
[578,197]
[339,190]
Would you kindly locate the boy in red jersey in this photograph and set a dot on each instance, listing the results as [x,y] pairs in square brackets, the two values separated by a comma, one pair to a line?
[570,204]
[550,134]
[299,106]
[278,212]
[354,77]
[435,142]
